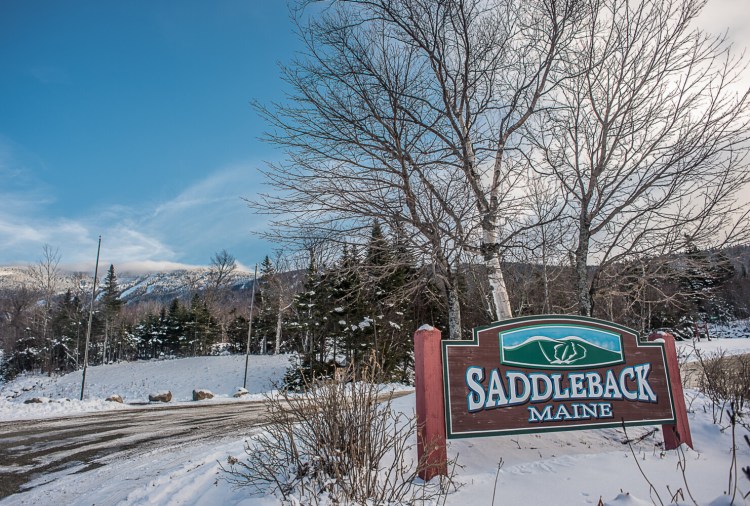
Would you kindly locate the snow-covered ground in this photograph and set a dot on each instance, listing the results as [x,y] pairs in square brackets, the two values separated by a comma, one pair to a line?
[715,346]
[579,467]
[564,468]
[134,381]
[735,329]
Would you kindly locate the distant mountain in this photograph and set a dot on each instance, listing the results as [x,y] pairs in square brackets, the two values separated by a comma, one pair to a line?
[156,286]
[570,351]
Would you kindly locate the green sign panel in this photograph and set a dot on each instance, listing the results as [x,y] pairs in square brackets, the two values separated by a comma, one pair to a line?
[560,347]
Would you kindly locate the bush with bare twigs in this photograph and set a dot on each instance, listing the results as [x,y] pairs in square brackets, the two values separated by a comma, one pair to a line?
[339,442]
[725,380]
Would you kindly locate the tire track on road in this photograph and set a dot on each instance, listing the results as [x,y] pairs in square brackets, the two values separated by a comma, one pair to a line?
[31,449]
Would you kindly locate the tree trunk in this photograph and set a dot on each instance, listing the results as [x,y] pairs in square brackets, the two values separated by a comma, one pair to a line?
[454,313]
[106,336]
[279,321]
[47,342]
[499,292]
[583,294]
[546,309]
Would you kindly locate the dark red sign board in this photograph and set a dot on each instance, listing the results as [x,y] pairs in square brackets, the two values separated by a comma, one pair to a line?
[551,373]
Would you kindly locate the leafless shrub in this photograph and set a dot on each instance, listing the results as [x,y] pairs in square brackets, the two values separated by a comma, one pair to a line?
[338,442]
[690,374]
[677,495]
[725,380]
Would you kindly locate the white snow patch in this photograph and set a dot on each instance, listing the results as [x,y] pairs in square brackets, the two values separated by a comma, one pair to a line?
[134,381]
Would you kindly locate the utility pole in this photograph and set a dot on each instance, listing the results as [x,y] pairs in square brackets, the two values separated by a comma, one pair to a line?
[250,326]
[91,317]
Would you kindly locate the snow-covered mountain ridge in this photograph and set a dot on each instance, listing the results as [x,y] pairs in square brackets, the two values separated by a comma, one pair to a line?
[161,286]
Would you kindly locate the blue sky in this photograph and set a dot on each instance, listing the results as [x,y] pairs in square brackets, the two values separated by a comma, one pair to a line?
[132,120]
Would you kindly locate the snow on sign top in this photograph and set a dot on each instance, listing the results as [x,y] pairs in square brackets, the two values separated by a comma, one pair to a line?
[549,373]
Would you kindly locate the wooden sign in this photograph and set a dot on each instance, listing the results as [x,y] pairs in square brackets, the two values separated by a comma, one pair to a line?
[551,373]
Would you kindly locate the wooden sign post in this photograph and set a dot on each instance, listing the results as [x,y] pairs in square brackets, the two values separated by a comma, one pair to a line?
[679,432]
[428,381]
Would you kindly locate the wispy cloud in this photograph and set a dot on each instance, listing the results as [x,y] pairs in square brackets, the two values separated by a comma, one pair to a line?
[206,216]
[209,215]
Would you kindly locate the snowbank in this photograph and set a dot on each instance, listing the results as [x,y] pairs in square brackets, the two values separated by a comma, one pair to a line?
[134,381]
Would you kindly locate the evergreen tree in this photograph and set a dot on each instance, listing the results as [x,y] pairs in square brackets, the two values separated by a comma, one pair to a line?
[310,328]
[351,330]
[379,254]
[267,302]
[704,275]
[237,334]
[203,330]
[112,305]
[150,333]
[391,275]
[176,328]
[65,330]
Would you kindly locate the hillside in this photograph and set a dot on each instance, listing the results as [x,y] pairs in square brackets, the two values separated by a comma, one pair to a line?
[141,287]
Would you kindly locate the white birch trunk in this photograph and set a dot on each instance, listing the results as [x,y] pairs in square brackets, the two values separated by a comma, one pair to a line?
[279,319]
[454,314]
[497,282]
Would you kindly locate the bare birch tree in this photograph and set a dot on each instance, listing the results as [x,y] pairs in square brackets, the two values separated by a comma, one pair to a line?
[410,111]
[648,139]
[46,278]
[282,284]
[543,240]
[223,265]
[222,268]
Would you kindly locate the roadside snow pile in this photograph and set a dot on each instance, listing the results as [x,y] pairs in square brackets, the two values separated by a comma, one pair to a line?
[10,410]
[134,381]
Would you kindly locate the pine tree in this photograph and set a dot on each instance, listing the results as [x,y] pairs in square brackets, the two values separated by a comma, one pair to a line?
[237,334]
[267,302]
[391,275]
[176,327]
[112,305]
[203,329]
[310,328]
[704,275]
[379,255]
[348,309]
[66,332]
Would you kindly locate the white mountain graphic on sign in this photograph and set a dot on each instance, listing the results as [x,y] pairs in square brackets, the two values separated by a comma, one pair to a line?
[568,353]
[559,353]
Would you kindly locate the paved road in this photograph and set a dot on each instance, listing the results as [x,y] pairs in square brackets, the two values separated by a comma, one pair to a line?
[32,449]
